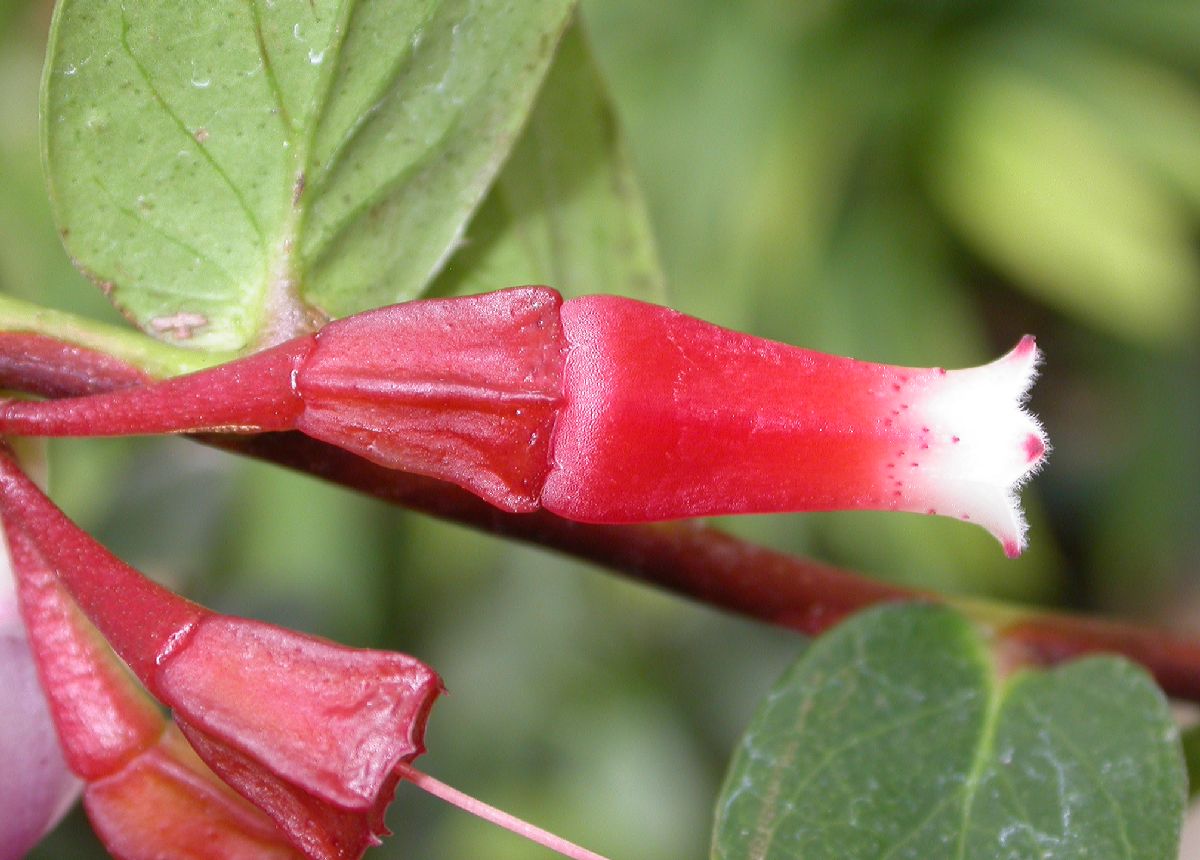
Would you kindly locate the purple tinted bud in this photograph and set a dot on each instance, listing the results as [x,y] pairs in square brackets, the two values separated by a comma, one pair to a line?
[36,788]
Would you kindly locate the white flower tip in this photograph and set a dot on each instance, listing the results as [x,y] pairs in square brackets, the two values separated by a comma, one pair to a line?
[984,444]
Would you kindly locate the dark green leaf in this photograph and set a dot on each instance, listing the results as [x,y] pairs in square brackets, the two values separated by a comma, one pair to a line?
[894,737]
[230,170]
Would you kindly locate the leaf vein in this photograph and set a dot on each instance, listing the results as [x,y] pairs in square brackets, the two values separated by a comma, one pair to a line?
[1100,783]
[207,156]
[167,236]
[269,71]
[360,122]
[987,737]
[883,729]
[320,100]
[384,190]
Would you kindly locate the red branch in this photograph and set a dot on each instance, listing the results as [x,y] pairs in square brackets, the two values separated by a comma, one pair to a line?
[693,560]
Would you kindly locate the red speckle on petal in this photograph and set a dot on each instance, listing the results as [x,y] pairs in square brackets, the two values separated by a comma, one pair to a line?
[955,439]
[1034,448]
[1011,549]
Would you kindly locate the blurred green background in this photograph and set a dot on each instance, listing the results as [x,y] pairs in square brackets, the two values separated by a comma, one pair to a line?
[917,182]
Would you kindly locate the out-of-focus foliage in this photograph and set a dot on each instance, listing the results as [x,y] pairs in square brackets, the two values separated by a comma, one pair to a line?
[911,182]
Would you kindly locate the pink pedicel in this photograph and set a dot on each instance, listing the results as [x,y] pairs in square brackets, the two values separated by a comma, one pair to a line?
[310,732]
[608,410]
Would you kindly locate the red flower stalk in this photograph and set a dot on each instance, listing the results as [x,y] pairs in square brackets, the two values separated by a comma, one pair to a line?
[610,410]
[147,794]
[310,732]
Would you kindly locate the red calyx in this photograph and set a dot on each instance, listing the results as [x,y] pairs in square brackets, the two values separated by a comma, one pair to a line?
[465,390]
[309,731]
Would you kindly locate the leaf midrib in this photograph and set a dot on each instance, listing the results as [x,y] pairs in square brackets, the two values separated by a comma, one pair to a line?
[983,751]
[283,312]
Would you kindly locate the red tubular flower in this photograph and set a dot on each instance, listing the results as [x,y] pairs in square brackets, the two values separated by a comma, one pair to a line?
[310,732]
[667,416]
[610,410]
[147,794]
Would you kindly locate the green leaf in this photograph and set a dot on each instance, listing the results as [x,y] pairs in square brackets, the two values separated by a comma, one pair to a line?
[230,171]
[895,737]
[566,210]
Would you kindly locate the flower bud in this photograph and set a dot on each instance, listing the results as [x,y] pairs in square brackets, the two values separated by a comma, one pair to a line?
[146,792]
[309,731]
